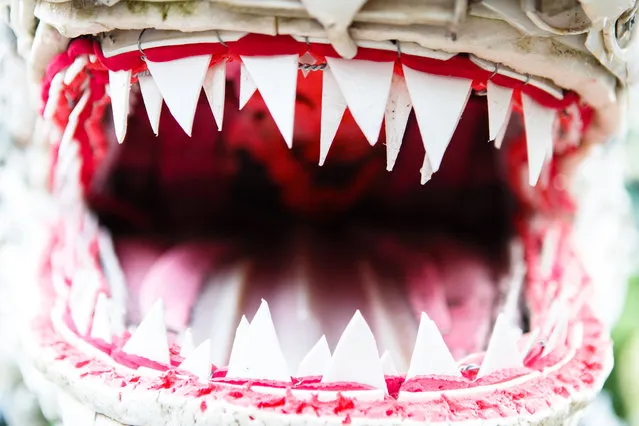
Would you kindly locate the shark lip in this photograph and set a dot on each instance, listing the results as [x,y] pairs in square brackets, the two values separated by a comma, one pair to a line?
[138,373]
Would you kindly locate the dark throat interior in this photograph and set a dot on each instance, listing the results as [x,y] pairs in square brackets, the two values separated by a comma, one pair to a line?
[245,188]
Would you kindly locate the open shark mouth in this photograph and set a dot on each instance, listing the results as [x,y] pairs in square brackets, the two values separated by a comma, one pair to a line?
[206,269]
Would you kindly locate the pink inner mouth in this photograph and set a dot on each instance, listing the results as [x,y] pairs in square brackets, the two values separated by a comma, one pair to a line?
[184,212]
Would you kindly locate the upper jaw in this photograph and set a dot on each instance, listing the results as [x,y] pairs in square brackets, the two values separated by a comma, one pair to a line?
[484,30]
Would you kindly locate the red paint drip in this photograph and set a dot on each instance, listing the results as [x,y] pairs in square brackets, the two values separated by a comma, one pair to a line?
[343,404]
[275,402]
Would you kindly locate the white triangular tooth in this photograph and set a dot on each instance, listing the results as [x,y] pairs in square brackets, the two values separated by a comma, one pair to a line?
[180,82]
[187,345]
[215,90]
[552,317]
[198,362]
[117,282]
[388,365]
[539,122]
[499,101]
[276,79]
[74,69]
[238,350]
[266,359]
[101,328]
[82,298]
[533,338]
[333,107]
[366,87]
[426,171]
[558,334]
[55,90]
[152,99]
[262,356]
[247,86]
[502,351]
[439,102]
[356,358]
[431,355]
[499,140]
[119,91]
[68,152]
[316,361]
[73,412]
[149,340]
[395,118]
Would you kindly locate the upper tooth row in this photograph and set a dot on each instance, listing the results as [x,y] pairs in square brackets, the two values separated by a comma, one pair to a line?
[256,352]
[371,90]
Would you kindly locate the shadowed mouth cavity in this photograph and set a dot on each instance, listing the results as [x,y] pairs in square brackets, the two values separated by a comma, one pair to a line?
[423,271]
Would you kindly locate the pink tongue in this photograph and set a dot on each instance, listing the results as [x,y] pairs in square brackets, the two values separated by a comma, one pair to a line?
[452,283]
[471,293]
[175,276]
[456,289]
[427,294]
[136,256]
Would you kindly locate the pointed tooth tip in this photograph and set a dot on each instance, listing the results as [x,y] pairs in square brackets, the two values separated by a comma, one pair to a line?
[198,362]
[180,82]
[247,86]
[276,79]
[186,344]
[365,366]
[256,352]
[538,124]
[367,106]
[502,351]
[396,117]
[158,305]
[119,92]
[215,91]
[149,340]
[357,316]
[437,120]
[152,100]
[101,327]
[499,101]
[316,360]
[431,354]
[332,111]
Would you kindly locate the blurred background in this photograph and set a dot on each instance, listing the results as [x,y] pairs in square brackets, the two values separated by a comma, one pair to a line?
[623,385]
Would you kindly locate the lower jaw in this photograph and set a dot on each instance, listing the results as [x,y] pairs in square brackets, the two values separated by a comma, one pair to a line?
[566,357]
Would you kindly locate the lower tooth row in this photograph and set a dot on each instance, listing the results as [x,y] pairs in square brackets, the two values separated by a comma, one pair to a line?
[256,352]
